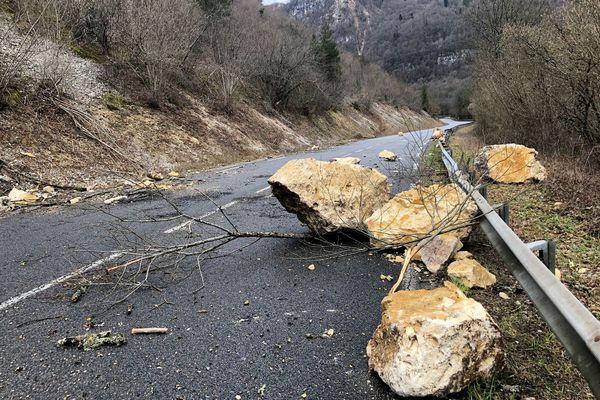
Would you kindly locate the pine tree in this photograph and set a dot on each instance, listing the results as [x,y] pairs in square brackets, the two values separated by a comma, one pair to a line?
[424,99]
[327,54]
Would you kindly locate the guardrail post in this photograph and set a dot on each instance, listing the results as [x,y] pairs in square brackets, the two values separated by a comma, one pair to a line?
[547,252]
[482,189]
[503,211]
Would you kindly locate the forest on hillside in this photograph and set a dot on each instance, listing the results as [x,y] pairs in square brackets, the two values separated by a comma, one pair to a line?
[219,50]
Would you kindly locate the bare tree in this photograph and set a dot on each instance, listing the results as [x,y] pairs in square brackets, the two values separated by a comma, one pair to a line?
[153,38]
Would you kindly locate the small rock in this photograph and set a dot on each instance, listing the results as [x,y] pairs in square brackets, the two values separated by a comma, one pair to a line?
[582,270]
[388,278]
[75,200]
[388,155]
[17,196]
[48,189]
[471,273]
[312,267]
[347,160]
[174,174]
[115,199]
[504,296]
[247,302]
[462,255]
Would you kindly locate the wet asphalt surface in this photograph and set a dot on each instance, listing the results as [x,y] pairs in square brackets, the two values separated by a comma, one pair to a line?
[248,324]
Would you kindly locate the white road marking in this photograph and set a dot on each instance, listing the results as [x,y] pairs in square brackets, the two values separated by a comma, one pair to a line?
[226,206]
[263,190]
[57,281]
[185,224]
[346,155]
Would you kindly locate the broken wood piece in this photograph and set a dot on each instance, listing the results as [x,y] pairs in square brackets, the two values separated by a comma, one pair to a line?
[139,331]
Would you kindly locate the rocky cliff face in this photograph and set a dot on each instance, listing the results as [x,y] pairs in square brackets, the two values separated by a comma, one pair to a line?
[350,19]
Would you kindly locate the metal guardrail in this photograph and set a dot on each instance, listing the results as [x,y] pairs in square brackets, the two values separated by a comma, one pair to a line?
[572,323]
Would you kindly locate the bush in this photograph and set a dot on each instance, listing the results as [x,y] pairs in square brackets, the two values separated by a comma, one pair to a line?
[540,85]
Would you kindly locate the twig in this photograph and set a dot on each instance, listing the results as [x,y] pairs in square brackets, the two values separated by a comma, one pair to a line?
[141,331]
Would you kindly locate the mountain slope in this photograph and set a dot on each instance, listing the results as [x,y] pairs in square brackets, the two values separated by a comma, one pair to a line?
[414,39]
[419,41]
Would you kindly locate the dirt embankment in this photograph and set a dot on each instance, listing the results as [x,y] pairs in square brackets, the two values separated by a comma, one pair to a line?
[100,145]
[93,136]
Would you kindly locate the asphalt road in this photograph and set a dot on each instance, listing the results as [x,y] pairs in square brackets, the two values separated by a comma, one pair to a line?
[264,310]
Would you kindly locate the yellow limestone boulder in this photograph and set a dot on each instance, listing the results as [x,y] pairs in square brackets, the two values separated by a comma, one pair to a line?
[438,134]
[510,163]
[17,196]
[388,155]
[416,213]
[330,196]
[471,273]
[433,342]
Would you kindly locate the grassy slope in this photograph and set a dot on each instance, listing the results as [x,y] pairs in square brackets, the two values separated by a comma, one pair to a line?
[536,366]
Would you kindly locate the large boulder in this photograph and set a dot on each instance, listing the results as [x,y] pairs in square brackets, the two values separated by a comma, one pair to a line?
[471,274]
[330,196]
[438,134]
[416,213]
[510,163]
[433,342]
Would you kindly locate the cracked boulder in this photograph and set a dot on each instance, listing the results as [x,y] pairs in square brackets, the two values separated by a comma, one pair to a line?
[330,196]
[510,163]
[433,342]
[436,251]
[419,212]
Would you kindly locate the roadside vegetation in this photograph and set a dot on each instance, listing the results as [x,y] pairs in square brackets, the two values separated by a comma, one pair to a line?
[214,81]
[537,76]
[219,50]
[535,365]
